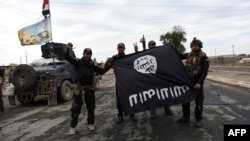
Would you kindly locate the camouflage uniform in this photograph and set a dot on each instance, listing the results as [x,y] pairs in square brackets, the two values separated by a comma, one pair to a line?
[197,64]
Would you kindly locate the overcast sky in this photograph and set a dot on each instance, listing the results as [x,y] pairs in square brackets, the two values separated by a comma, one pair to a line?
[222,25]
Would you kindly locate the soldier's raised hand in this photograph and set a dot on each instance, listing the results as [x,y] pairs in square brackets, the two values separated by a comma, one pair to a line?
[135,47]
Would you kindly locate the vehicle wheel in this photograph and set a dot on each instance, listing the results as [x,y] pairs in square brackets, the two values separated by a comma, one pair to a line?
[24,77]
[24,99]
[65,93]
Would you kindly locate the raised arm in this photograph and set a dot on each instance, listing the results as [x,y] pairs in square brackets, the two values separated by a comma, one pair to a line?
[107,66]
[70,58]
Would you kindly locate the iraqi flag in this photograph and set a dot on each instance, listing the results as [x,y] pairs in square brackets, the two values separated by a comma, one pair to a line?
[45,7]
[151,79]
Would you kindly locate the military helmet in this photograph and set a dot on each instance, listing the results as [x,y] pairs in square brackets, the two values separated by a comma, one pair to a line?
[152,42]
[87,51]
[196,42]
[70,44]
[121,45]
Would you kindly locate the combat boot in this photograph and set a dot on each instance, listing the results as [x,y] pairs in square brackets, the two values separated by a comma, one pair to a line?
[72,131]
[198,123]
[91,127]
[120,119]
[183,120]
[132,118]
[168,111]
[152,114]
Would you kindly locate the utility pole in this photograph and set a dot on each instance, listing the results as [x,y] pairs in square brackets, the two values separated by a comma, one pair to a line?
[26,56]
[215,56]
[233,53]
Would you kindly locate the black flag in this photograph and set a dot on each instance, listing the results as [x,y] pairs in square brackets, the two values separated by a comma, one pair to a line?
[151,79]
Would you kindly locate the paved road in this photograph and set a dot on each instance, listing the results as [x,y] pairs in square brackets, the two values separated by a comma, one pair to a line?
[223,105]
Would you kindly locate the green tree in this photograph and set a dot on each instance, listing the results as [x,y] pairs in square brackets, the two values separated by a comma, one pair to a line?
[177,37]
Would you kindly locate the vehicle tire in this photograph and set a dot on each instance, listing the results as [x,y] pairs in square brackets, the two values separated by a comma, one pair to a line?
[24,77]
[25,99]
[64,92]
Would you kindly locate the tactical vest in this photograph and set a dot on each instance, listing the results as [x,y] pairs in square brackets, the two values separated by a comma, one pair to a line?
[193,64]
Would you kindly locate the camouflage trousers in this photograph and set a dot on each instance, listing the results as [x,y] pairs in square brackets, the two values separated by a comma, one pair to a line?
[77,104]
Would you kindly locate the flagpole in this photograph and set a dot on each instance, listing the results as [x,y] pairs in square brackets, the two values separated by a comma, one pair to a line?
[45,17]
[51,45]
[46,14]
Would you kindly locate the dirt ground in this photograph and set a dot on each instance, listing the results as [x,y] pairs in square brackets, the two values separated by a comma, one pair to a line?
[39,122]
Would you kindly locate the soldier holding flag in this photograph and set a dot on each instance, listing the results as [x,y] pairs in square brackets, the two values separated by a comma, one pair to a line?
[197,64]
[121,53]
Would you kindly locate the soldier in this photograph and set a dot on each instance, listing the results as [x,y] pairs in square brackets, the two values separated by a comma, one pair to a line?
[86,70]
[1,93]
[197,64]
[121,52]
[10,76]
